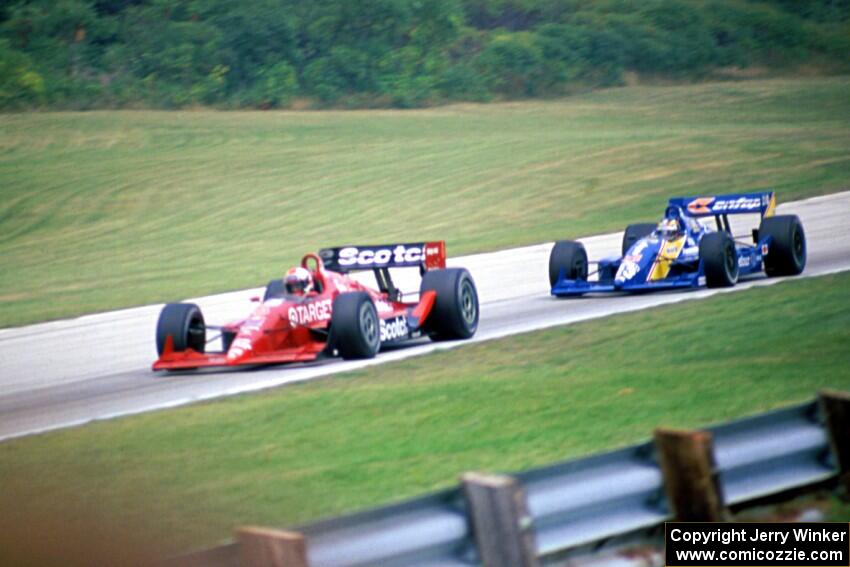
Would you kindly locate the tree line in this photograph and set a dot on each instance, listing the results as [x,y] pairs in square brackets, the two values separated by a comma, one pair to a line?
[81,54]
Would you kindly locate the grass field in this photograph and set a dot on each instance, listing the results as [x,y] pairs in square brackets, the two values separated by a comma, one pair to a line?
[188,475]
[100,210]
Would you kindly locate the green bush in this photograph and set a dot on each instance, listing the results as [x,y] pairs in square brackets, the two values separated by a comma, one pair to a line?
[20,85]
[462,81]
[403,53]
[274,87]
[512,63]
[407,76]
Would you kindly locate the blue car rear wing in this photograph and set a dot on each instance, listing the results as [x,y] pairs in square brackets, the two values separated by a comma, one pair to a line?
[738,203]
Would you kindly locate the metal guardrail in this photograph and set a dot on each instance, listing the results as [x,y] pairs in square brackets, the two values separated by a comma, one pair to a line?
[583,501]
[432,530]
[773,452]
[576,503]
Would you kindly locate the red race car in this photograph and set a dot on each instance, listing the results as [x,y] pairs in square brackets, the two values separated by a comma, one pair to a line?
[319,310]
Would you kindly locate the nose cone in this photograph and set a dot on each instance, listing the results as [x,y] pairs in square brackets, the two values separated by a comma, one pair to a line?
[240,350]
[637,261]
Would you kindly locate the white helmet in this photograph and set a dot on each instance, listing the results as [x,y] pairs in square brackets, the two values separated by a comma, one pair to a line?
[670,228]
[298,281]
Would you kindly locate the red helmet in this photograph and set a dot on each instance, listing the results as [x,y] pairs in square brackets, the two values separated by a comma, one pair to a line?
[298,281]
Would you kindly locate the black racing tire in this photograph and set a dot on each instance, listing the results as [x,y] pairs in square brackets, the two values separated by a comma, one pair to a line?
[635,232]
[570,256]
[355,327]
[275,289]
[719,259]
[786,255]
[185,323]
[455,311]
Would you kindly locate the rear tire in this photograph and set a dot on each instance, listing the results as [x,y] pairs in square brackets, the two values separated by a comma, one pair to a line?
[455,311]
[719,259]
[184,322]
[355,328]
[635,232]
[274,290]
[787,250]
[570,256]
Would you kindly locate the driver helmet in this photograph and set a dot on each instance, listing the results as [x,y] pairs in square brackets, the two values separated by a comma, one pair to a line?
[298,281]
[670,228]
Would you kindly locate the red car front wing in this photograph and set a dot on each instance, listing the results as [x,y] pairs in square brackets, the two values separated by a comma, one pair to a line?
[189,358]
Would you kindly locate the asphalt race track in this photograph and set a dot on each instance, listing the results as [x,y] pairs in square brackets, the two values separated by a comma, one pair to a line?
[65,373]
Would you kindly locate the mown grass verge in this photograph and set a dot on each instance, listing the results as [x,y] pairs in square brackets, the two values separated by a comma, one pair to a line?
[102,210]
[290,455]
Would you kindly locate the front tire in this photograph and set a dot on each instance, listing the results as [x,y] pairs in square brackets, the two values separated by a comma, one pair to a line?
[570,256]
[455,311]
[787,249]
[355,328]
[719,259]
[184,322]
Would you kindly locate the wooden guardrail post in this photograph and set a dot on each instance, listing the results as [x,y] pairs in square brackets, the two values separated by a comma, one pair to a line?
[690,477]
[264,547]
[836,409]
[500,520]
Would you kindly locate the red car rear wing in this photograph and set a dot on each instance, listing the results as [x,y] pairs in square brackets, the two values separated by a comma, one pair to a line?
[424,255]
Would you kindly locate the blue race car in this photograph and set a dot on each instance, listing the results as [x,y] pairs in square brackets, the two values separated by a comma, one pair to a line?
[681,252]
